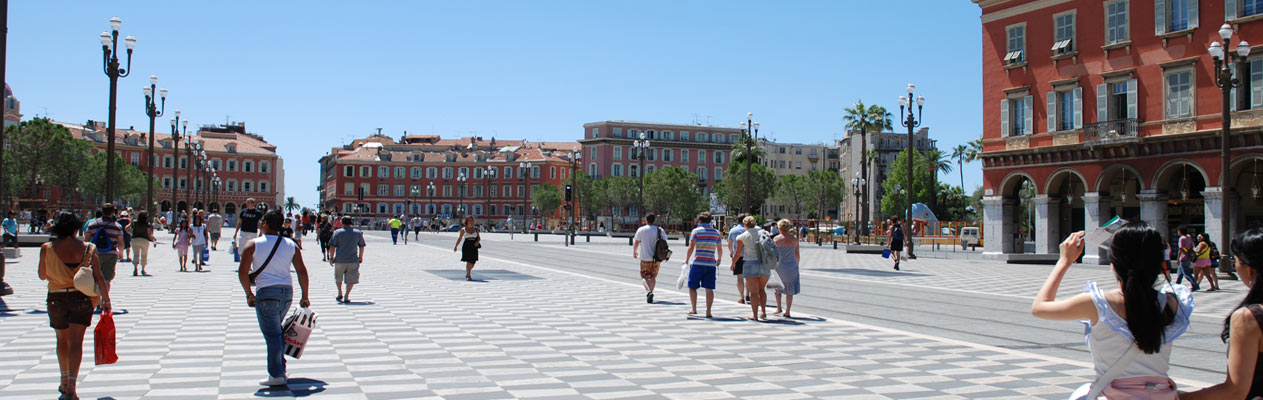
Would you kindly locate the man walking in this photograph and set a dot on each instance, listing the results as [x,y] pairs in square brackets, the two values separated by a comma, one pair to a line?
[643,248]
[346,253]
[265,263]
[107,242]
[737,230]
[214,225]
[1186,258]
[394,224]
[248,224]
[707,245]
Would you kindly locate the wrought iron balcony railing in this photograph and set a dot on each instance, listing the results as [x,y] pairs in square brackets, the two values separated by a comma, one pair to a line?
[1112,131]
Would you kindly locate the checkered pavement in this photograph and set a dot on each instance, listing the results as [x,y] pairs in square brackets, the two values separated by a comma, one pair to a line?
[521,331]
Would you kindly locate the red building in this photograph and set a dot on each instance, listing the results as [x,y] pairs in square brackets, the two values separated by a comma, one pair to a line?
[1105,108]
[419,175]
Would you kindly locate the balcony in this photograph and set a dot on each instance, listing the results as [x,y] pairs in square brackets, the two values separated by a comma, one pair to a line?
[1111,132]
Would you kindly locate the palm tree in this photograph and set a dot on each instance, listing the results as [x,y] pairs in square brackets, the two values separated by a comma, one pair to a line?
[860,118]
[291,205]
[960,153]
[936,162]
[739,150]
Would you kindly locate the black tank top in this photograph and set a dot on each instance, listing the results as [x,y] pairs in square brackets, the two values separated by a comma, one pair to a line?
[1256,385]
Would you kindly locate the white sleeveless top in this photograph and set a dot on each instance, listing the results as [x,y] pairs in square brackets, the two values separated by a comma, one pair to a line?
[277,272]
[1113,338]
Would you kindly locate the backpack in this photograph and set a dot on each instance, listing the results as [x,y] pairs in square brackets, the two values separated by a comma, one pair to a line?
[326,231]
[768,254]
[102,241]
[660,250]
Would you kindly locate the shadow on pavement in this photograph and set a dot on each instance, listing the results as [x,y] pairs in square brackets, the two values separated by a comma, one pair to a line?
[297,387]
[810,319]
[668,303]
[359,303]
[781,322]
[868,272]
[5,311]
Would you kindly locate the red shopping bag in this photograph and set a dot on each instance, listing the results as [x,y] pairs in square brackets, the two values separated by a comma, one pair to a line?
[103,338]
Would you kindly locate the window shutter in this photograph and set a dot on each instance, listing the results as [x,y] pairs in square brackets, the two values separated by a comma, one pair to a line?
[1102,109]
[1232,97]
[1192,14]
[1004,118]
[1052,111]
[1230,10]
[1030,115]
[1131,99]
[1159,17]
[1078,108]
[1256,86]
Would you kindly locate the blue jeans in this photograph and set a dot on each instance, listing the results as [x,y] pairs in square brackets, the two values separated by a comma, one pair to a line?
[394,235]
[1186,269]
[270,305]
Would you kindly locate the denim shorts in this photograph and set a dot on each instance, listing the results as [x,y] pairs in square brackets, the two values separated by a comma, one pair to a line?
[753,269]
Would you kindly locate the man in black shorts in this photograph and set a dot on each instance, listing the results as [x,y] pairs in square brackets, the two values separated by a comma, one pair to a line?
[247,224]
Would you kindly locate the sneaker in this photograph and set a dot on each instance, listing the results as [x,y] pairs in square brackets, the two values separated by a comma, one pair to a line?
[273,381]
[339,298]
[650,297]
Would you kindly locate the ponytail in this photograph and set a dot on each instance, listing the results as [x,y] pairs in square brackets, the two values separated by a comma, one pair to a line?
[1136,254]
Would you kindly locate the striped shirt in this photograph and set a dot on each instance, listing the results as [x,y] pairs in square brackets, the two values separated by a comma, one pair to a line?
[706,242]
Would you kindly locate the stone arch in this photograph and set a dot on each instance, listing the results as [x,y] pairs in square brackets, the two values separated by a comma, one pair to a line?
[1109,172]
[1056,180]
[214,206]
[1173,164]
[1010,183]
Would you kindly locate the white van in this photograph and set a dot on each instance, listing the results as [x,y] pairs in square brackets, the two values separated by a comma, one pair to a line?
[970,236]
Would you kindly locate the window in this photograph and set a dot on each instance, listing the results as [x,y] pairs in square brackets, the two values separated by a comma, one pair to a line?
[399,190]
[653,154]
[596,132]
[616,170]
[592,170]
[399,172]
[166,183]
[232,186]
[633,171]
[719,157]
[1174,15]
[1116,22]
[1253,97]
[684,155]
[383,172]
[383,190]
[366,171]
[135,158]
[1015,116]
[1017,44]
[184,163]
[477,190]
[478,173]
[732,138]
[1065,109]
[416,172]
[447,190]
[684,136]
[702,137]
[1063,41]
[701,172]
[552,172]
[719,173]
[1243,8]
[348,171]
[183,183]
[166,162]
[668,135]
[649,169]
[508,172]
[667,155]
[534,172]
[1179,94]
[398,208]
[245,186]
[431,172]
[263,187]
[264,166]
[447,173]
[247,166]
[381,208]
[1116,100]
[363,189]
[507,191]
[618,152]
[618,132]
[701,156]
[348,189]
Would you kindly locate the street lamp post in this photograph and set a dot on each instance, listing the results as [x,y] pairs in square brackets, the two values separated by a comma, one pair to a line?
[575,156]
[857,188]
[176,123]
[525,173]
[752,132]
[1225,80]
[487,175]
[460,187]
[109,52]
[641,146]
[911,122]
[188,174]
[153,111]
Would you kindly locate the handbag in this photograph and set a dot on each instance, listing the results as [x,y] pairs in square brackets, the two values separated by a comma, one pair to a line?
[297,330]
[255,274]
[205,254]
[885,253]
[85,280]
[774,282]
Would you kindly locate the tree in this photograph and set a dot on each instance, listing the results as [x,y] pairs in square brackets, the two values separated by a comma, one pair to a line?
[953,202]
[894,203]
[546,198]
[593,196]
[130,182]
[792,192]
[960,153]
[620,193]
[937,162]
[756,153]
[673,192]
[823,191]
[762,183]
[291,205]
[873,118]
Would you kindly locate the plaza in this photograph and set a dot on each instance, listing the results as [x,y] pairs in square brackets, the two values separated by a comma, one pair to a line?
[546,321]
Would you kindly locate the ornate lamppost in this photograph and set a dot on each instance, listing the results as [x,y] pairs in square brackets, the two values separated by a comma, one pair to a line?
[641,146]
[857,188]
[752,133]
[109,51]
[1226,81]
[152,111]
[525,173]
[460,187]
[911,122]
[188,174]
[487,175]
[575,157]
[176,124]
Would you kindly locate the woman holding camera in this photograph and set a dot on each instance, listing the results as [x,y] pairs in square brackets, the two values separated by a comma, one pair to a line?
[1136,321]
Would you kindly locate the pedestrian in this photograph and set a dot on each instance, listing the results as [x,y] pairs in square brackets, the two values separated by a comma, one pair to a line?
[1202,266]
[268,258]
[107,242]
[69,310]
[706,249]
[125,221]
[296,227]
[346,253]
[1134,322]
[324,234]
[1243,328]
[142,236]
[1185,258]
[10,226]
[394,224]
[417,223]
[738,263]
[247,224]
[643,249]
[787,268]
[287,230]
[405,227]
[183,239]
[214,226]
[469,241]
[895,242]
[753,270]
[198,230]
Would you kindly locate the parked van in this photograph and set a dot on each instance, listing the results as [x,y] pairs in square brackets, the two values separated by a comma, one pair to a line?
[970,236]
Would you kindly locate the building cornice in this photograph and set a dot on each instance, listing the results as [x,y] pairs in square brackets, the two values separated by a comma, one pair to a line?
[1015,10]
[664,125]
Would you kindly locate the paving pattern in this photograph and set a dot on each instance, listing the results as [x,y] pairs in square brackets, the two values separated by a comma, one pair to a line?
[416,329]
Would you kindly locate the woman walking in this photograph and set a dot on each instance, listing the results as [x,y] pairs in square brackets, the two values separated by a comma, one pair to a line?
[1202,266]
[142,235]
[787,269]
[895,241]
[183,237]
[469,241]
[199,238]
[324,232]
[69,310]
[1243,329]
[125,221]
[1136,322]
[755,273]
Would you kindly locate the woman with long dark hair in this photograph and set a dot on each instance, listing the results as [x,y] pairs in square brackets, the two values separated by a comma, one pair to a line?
[1202,264]
[1134,316]
[1243,329]
[70,310]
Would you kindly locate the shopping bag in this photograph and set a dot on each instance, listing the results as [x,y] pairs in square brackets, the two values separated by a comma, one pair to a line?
[103,339]
[297,329]
[236,257]
[774,281]
[684,276]
[885,253]
[205,254]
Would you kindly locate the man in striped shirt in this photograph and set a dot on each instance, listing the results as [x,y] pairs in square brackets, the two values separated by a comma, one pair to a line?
[706,250]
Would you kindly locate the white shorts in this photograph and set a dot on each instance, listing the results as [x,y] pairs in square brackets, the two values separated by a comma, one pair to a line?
[243,237]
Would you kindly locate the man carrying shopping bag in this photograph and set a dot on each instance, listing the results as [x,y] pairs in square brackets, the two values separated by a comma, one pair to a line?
[265,263]
[706,250]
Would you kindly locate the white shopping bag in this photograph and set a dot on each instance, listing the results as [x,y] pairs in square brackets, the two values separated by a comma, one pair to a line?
[684,276]
[297,329]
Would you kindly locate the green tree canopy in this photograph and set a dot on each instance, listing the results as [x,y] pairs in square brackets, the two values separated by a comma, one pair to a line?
[824,190]
[762,184]
[673,192]
[893,203]
[791,191]
[546,198]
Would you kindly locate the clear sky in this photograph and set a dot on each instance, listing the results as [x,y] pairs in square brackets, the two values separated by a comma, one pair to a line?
[312,75]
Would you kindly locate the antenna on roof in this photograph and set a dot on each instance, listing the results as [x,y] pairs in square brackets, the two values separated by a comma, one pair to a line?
[379,131]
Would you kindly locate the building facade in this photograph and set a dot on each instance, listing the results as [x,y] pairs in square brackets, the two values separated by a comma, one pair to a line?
[796,159]
[420,175]
[247,165]
[1110,108]
[12,107]
[883,148]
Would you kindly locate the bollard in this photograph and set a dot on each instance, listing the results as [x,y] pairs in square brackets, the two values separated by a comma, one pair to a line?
[537,237]
[629,240]
[565,239]
[686,240]
[589,237]
[835,244]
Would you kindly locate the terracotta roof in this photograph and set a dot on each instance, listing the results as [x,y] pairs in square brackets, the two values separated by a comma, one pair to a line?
[212,142]
[371,153]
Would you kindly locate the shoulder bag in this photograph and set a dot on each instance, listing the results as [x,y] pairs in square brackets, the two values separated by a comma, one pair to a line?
[256,273]
[85,280]
[1093,390]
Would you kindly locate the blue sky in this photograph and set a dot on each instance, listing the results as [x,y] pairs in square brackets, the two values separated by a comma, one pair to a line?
[312,75]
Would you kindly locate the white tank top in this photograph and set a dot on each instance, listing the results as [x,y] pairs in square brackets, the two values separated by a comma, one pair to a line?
[277,271]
